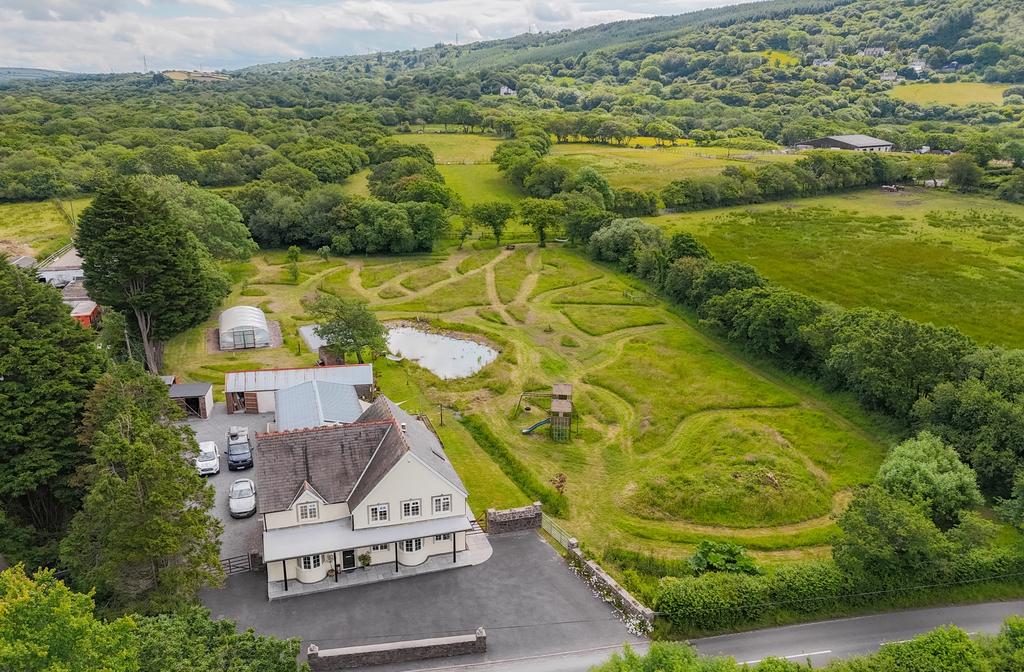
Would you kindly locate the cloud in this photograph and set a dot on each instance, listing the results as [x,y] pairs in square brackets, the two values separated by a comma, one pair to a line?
[105,35]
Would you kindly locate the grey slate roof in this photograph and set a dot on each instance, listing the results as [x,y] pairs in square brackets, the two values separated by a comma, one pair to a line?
[330,459]
[316,403]
[417,439]
[344,462]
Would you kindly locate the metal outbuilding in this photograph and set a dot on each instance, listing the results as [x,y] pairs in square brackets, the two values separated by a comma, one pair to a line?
[243,327]
[255,391]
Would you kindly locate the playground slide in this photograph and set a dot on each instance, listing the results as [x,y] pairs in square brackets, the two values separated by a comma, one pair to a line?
[529,430]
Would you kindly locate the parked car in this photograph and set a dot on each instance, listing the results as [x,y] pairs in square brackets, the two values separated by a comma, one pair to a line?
[208,460]
[242,498]
[239,450]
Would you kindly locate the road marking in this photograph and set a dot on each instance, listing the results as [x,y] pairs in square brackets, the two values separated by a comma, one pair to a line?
[795,655]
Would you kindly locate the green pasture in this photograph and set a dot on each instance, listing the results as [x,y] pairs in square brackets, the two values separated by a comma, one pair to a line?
[455,147]
[36,228]
[653,167]
[931,255]
[950,93]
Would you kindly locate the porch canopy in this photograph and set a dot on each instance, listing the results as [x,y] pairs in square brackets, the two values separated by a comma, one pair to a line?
[337,535]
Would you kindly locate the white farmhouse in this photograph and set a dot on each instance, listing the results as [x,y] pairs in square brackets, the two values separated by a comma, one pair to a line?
[378,492]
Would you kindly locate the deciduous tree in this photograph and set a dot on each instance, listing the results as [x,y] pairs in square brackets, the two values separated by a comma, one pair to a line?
[347,325]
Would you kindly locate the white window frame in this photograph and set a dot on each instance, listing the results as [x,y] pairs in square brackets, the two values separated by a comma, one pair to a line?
[411,503]
[442,503]
[380,547]
[417,545]
[308,562]
[308,511]
[443,537]
[378,513]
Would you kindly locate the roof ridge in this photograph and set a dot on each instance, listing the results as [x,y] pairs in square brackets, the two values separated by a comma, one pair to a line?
[326,428]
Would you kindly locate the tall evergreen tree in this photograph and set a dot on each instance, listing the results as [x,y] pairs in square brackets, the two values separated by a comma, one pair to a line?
[144,538]
[48,364]
[141,260]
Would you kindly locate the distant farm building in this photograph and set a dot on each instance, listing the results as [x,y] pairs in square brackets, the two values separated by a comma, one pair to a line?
[256,391]
[194,76]
[823,62]
[87,313]
[243,328]
[872,51]
[506,91]
[855,143]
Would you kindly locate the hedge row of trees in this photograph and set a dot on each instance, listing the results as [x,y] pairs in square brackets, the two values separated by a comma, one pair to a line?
[942,650]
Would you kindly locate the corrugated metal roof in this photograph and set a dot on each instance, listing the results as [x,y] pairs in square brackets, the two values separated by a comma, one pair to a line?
[316,403]
[270,380]
[859,140]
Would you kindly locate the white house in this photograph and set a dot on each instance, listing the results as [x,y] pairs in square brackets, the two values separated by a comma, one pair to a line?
[243,327]
[379,489]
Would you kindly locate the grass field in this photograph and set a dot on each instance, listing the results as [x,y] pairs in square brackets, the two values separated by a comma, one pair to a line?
[455,147]
[654,167]
[950,93]
[933,256]
[37,228]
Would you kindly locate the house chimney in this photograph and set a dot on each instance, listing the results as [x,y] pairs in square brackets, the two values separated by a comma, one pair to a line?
[403,428]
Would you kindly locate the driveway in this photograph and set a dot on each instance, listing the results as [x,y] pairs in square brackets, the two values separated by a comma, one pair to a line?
[525,596]
[240,535]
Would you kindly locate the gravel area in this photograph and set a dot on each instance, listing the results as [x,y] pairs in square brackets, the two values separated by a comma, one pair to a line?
[241,536]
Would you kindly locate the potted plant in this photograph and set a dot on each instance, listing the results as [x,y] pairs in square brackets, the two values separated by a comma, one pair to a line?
[364,559]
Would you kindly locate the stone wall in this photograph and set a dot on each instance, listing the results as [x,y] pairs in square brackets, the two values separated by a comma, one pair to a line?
[328,660]
[609,589]
[500,521]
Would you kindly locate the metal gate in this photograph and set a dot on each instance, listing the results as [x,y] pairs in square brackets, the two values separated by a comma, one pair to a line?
[237,564]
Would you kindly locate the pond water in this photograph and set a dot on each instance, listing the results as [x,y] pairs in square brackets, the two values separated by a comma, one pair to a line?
[444,356]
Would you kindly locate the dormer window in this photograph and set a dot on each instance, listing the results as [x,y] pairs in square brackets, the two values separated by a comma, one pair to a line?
[308,511]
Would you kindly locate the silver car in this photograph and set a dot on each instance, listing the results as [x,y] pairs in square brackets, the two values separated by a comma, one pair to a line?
[208,460]
[242,498]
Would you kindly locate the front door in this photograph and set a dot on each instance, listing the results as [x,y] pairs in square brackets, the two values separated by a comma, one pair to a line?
[348,560]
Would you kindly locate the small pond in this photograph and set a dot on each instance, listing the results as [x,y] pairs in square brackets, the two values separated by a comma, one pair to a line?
[444,356]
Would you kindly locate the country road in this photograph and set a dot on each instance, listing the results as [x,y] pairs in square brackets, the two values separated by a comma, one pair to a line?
[817,642]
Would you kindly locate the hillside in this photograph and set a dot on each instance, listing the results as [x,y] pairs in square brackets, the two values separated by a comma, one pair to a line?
[9,74]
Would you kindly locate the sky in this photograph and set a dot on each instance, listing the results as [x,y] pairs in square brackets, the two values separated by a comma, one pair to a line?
[117,35]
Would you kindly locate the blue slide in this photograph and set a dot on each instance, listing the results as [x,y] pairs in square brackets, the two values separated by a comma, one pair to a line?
[529,430]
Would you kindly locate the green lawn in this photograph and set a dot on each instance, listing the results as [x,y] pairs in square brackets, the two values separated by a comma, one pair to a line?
[933,256]
[479,182]
[950,93]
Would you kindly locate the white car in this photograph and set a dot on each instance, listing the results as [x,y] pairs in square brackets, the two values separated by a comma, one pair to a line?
[208,460]
[242,498]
